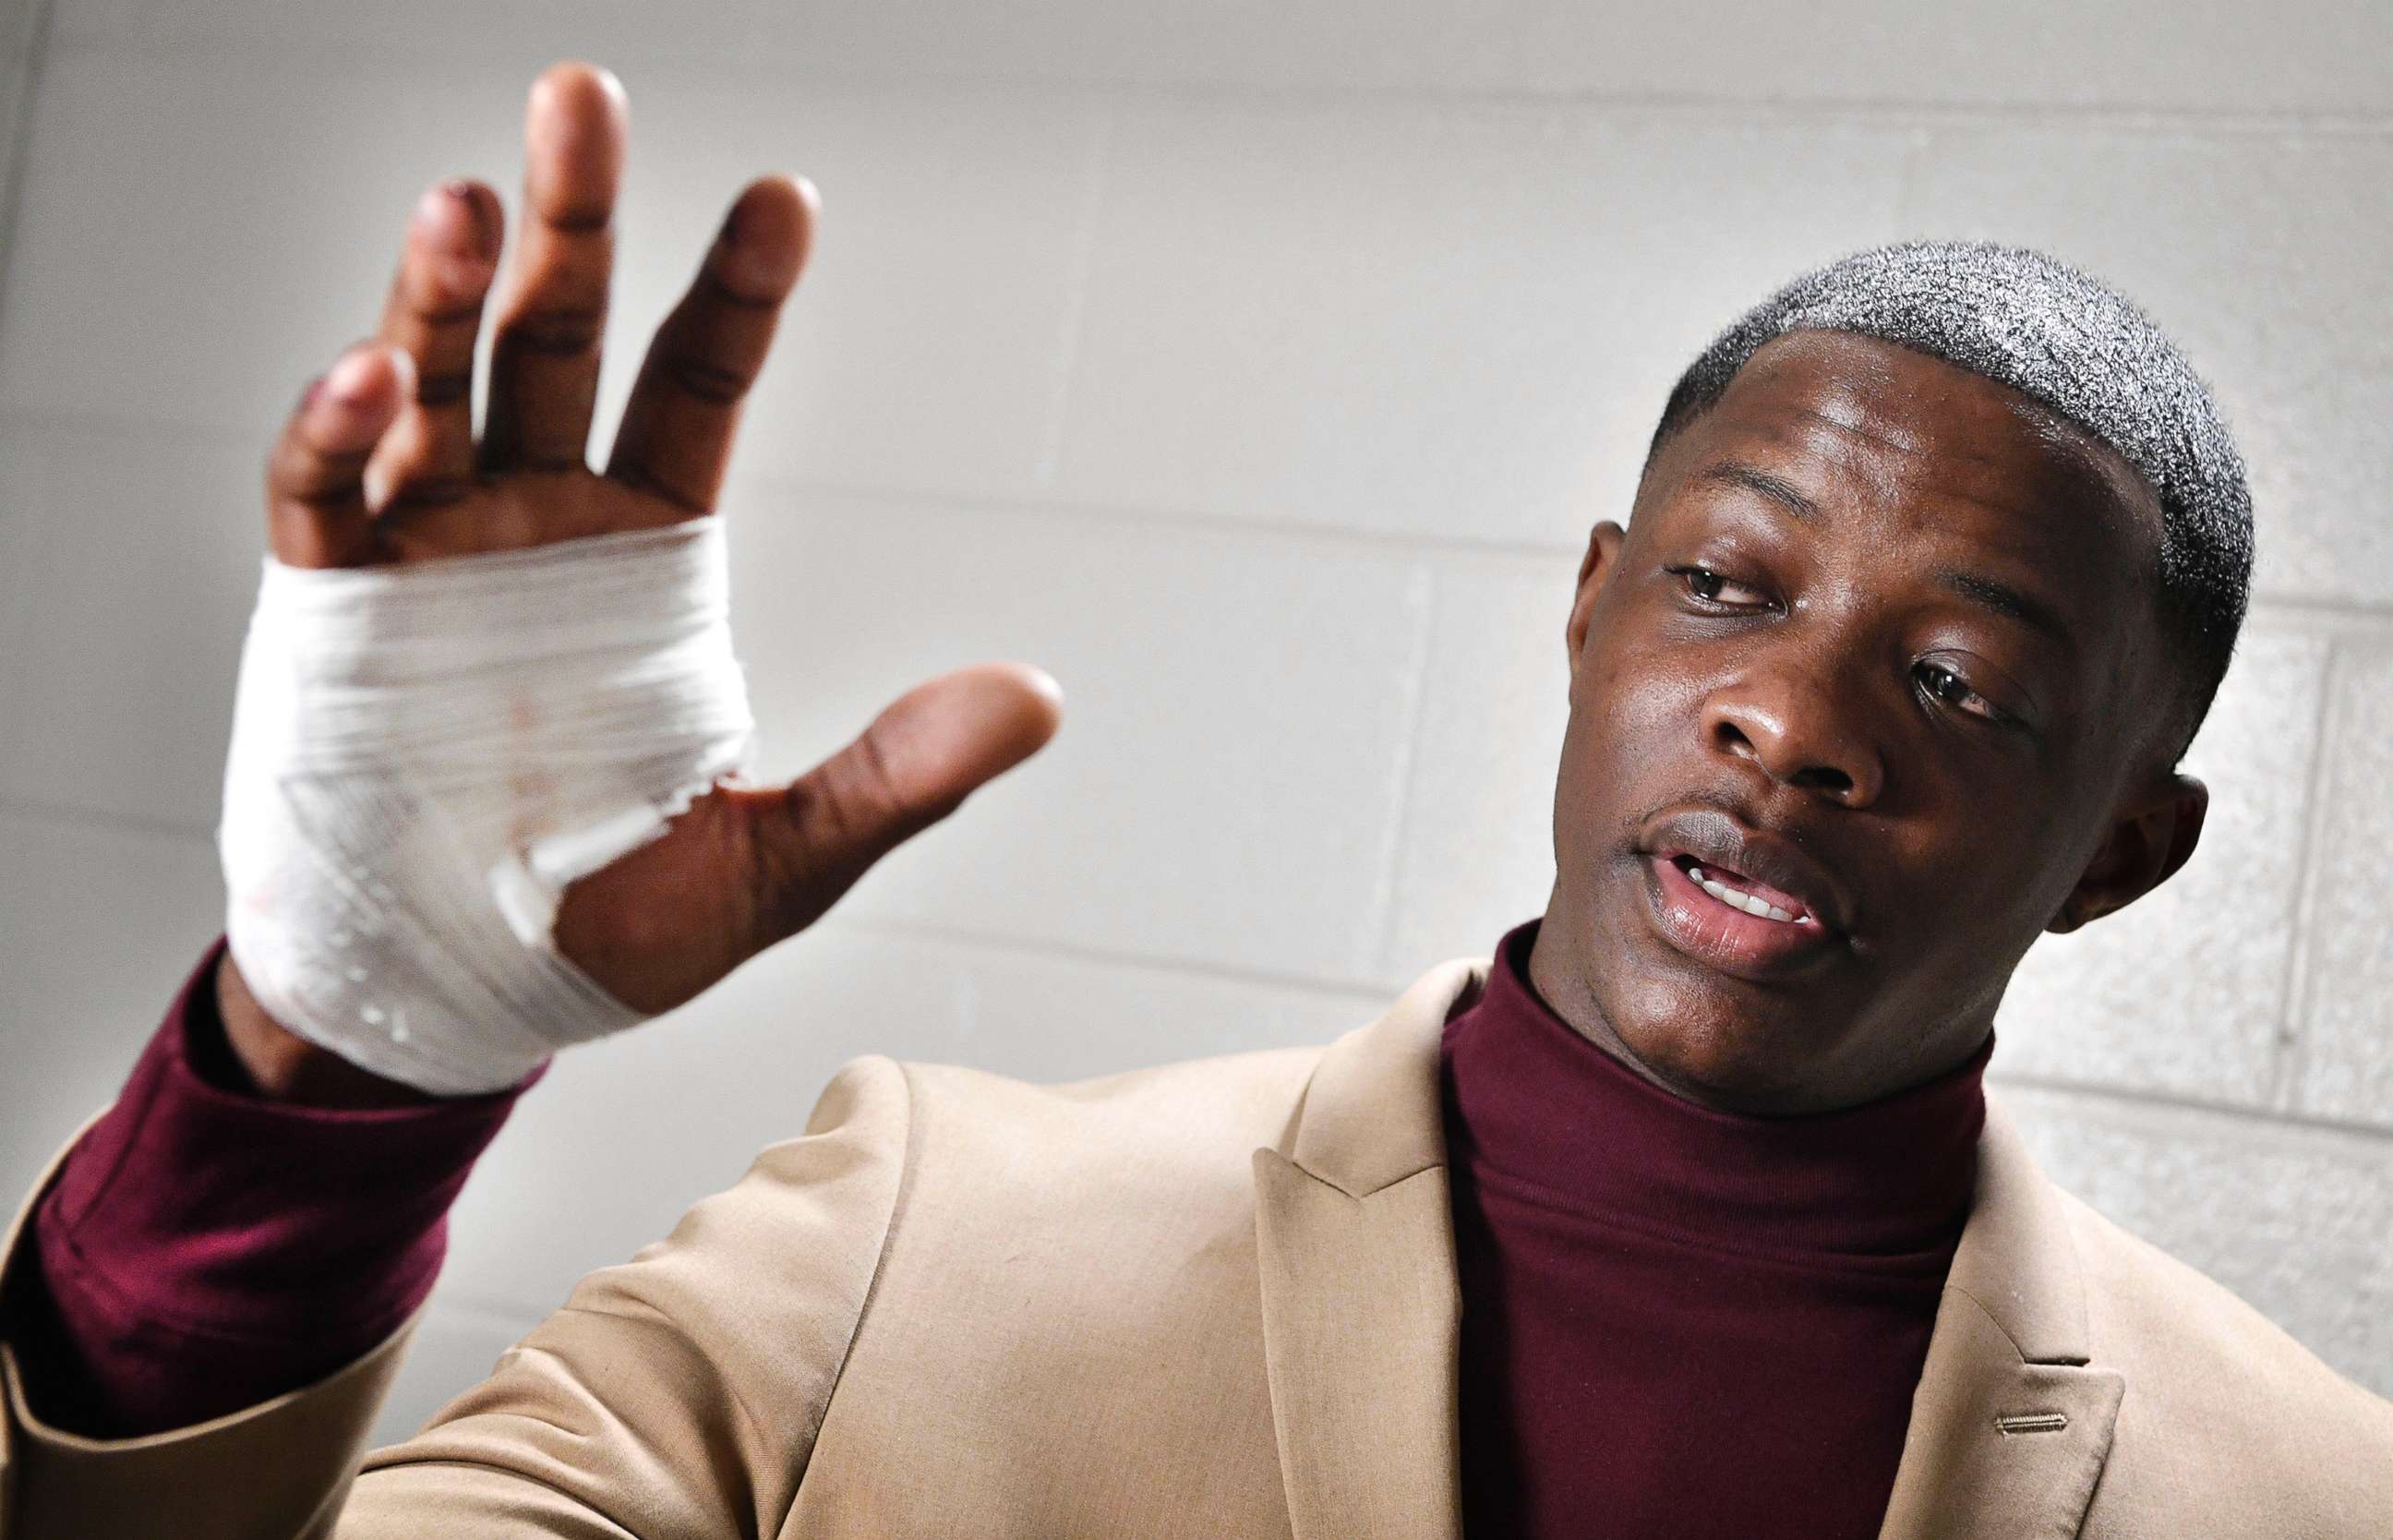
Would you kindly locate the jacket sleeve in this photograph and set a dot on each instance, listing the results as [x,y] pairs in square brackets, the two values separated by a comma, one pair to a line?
[677,1395]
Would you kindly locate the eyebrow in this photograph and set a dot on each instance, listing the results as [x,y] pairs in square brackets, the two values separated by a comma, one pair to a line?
[1753,478]
[1985,592]
[2004,600]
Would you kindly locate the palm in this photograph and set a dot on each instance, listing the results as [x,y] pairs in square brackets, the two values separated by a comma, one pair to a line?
[509,512]
[381,466]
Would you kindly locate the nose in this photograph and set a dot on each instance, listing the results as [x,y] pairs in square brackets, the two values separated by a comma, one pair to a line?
[1786,720]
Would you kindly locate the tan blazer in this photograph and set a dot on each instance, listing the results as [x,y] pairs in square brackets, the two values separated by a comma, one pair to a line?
[1214,1298]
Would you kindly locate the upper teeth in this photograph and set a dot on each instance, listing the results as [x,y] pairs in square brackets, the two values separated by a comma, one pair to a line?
[1745,901]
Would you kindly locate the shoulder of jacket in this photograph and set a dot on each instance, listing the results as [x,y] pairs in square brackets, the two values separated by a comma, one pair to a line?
[2149,1306]
[1237,1100]
[883,1126]
[2224,1400]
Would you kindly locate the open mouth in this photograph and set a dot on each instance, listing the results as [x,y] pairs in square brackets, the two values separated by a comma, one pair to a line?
[1736,924]
[1740,892]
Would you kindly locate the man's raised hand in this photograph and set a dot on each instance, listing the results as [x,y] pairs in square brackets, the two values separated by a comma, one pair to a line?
[378,466]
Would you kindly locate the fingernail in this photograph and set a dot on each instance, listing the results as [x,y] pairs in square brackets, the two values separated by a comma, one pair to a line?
[349,378]
[748,262]
[446,218]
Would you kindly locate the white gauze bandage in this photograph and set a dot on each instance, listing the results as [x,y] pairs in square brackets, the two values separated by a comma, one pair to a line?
[424,756]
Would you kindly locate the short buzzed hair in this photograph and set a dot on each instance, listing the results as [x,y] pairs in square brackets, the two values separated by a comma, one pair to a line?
[2075,344]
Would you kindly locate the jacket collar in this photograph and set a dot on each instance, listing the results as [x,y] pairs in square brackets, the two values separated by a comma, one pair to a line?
[2010,1424]
[1354,1242]
[2011,1421]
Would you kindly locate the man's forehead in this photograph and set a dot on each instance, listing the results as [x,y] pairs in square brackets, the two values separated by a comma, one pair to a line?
[1906,423]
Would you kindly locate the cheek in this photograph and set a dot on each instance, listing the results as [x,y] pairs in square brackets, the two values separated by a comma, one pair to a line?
[1630,715]
[1982,897]
[1633,707]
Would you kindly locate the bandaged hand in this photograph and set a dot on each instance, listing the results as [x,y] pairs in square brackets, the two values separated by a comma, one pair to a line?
[483,798]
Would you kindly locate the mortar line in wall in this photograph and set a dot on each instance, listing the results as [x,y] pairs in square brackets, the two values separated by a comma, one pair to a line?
[1378,995]
[2266,607]
[1079,265]
[1381,923]
[1906,179]
[2269,607]
[40,811]
[20,141]
[1366,993]
[489,1308]
[1362,991]
[1015,505]
[34,811]
[2335,615]
[1741,108]
[2291,1059]
[1272,526]
[1381,993]
[2240,1112]
[1744,110]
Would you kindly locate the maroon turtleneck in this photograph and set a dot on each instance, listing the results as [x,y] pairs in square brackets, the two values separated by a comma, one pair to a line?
[1683,1323]
[203,1250]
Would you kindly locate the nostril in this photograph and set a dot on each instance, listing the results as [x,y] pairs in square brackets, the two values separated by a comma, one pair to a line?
[1825,777]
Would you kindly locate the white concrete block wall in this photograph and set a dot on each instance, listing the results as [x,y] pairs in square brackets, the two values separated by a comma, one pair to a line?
[1259,369]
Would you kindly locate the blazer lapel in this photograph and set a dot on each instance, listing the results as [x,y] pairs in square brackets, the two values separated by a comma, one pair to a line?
[2011,1423]
[1355,1246]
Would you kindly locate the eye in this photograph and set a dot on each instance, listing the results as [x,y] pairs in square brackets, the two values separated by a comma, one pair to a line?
[1942,684]
[1719,590]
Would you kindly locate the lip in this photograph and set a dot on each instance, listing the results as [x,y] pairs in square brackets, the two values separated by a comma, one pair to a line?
[1720,935]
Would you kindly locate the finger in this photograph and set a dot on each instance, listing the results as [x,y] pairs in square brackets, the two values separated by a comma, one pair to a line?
[915,764]
[675,439]
[314,491]
[544,352]
[434,315]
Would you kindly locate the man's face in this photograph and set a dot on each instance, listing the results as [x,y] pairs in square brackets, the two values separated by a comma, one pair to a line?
[1878,657]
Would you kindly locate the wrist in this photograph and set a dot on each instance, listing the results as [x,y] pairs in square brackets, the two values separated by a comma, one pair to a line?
[280,1066]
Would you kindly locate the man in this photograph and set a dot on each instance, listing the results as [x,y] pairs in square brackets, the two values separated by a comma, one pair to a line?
[1683,1214]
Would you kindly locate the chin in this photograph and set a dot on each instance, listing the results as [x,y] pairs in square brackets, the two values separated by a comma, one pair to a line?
[1705,1070]
[1710,1038]
[1720,1052]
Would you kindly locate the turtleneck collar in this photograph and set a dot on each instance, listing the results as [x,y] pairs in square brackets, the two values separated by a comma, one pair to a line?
[1528,1097]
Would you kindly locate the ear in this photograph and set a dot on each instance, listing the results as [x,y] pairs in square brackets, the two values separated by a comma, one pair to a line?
[1602,552]
[2145,846]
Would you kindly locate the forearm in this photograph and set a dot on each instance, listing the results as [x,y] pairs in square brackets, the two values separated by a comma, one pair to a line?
[206,1247]
[278,1065]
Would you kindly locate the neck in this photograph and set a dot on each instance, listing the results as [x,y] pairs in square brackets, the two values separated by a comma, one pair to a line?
[1528,1096]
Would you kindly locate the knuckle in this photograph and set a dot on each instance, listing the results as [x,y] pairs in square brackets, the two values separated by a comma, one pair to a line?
[443,319]
[584,217]
[297,469]
[431,491]
[852,806]
[557,330]
[443,389]
[876,785]
[706,378]
[635,472]
[718,291]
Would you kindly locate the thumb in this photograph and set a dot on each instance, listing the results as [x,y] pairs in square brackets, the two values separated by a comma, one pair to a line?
[910,767]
